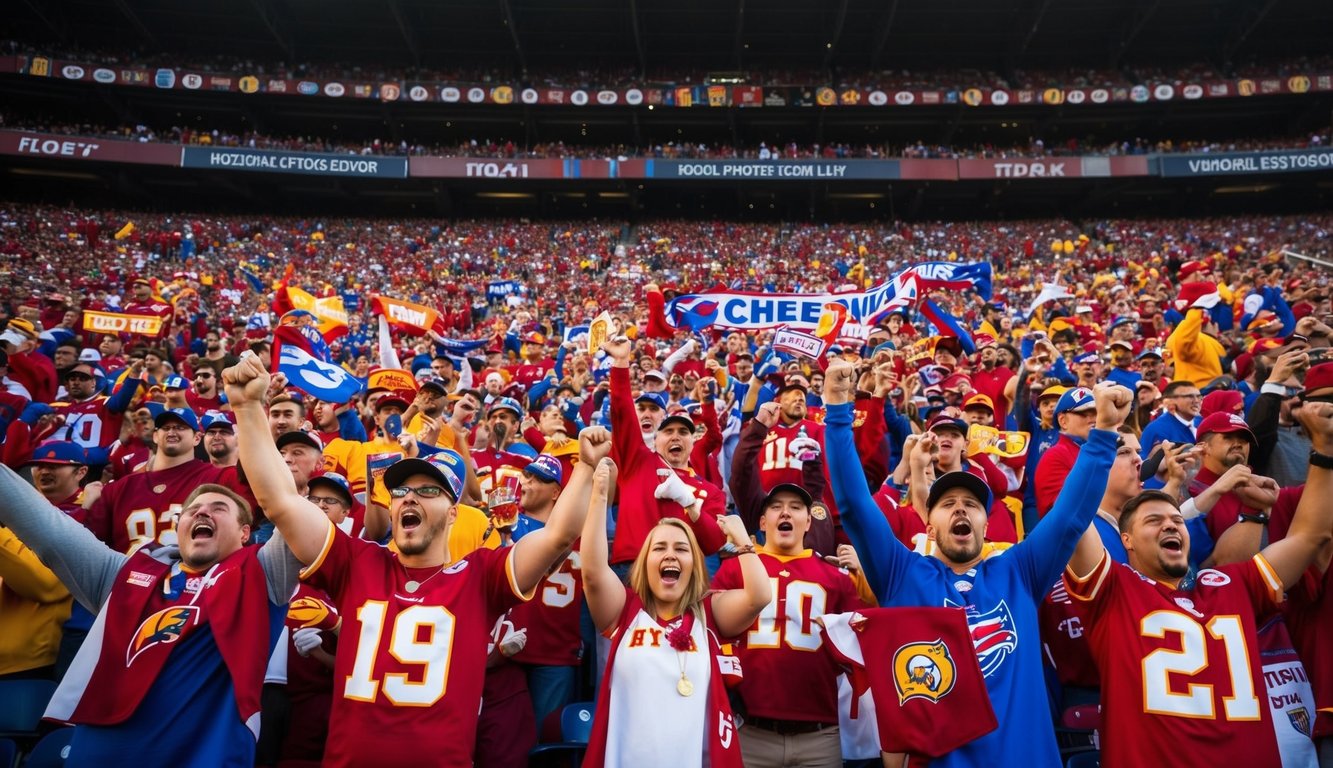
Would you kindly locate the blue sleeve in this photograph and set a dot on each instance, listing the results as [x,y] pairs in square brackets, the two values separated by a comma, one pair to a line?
[97,456]
[120,400]
[1061,371]
[1201,541]
[560,362]
[883,558]
[350,426]
[539,390]
[1283,310]
[1046,550]
[1172,317]
[897,428]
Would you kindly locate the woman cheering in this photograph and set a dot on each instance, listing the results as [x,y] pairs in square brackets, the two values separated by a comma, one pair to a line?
[662,700]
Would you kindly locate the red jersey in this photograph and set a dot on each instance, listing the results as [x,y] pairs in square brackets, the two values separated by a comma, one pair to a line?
[126,457]
[991,384]
[201,405]
[140,508]
[89,422]
[552,618]
[1181,669]
[309,682]
[505,469]
[786,677]
[154,308]
[1309,615]
[409,662]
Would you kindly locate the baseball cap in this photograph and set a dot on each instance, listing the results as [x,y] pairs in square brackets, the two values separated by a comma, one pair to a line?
[656,398]
[1225,423]
[1319,377]
[799,490]
[546,468]
[655,374]
[679,417]
[1150,353]
[435,383]
[90,356]
[1122,344]
[391,399]
[216,419]
[1087,357]
[946,422]
[1265,346]
[445,467]
[1190,267]
[175,382]
[1123,320]
[979,400]
[1055,390]
[301,437]
[506,404]
[958,479]
[183,415]
[59,452]
[335,481]
[1222,401]
[789,385]
[1076,399]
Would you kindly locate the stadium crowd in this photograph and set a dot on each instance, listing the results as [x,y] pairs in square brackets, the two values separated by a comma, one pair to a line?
[507,148]
[334,483]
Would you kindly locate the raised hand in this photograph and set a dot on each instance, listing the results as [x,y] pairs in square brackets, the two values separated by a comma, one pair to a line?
[247,381]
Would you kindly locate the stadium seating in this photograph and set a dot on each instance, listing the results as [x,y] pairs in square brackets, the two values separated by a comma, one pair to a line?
[575,729]
[22,703]
[51,751]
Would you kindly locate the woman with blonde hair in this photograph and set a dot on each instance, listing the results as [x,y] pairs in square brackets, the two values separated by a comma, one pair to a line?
[662,700]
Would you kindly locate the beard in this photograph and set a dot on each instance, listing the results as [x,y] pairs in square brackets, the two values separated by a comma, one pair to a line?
[1174,570]
[422,544]
[959,554]
[499,432]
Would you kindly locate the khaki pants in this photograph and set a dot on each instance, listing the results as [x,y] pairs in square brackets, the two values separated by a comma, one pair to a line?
[765,749]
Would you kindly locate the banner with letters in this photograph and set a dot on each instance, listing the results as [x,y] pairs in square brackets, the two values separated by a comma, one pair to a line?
[406,317]
[118,322]
[747,311]
[316,164]
[61,147]
[1242,163]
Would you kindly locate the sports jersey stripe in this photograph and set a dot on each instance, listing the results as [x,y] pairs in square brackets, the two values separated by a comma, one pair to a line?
[323,553]
[1087,588]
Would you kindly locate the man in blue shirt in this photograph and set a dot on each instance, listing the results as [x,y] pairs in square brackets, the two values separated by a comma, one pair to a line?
[1178,423]
[1001,594]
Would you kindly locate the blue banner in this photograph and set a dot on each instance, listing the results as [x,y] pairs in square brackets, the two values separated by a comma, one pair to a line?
[499,289]
[323,380]
[459,347]
[269,161]
[1241,163]
[773,170]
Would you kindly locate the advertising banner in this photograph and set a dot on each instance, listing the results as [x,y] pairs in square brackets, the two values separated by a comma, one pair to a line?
[271,161]
[1241,163]
[28,144]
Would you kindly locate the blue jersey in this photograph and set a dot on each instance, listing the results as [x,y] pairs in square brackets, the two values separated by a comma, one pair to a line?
[1000,594]
[188,717]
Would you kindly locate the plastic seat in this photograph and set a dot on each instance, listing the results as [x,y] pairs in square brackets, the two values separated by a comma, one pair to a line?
[575,730]
[9,752]
[1084,760]
[51,751]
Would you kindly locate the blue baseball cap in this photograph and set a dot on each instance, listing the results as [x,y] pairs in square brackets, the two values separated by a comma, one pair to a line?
[445,467]
[959,479]
[1076,399]
[59,452]
[546,467]
[656,398]
[175,382]
[183,415]
[506,403]
[1087,357]
[1150,353]
[334,480]
[216,419]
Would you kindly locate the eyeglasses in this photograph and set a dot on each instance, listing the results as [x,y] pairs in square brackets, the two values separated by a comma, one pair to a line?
[326,501]
[425,491]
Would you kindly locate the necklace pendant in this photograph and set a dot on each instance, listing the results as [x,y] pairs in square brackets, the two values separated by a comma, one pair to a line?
[684,687]
[412,586]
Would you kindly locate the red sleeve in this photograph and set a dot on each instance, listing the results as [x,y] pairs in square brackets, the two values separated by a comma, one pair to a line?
[1001,524]
[710,535]
[657,325]
[98,517]
[627,448]
[1050,477]
[728,575]
[18,447]
[870,445]
[535,438]
[712,441]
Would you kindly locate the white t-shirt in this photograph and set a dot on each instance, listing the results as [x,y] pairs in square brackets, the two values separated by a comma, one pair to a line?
[651,724]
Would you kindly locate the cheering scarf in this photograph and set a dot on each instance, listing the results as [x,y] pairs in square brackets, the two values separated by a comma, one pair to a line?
[727,310]
[724,744]
[125,652]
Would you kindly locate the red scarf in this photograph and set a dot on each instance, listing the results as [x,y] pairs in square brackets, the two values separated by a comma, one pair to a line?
[724,744]
[132,649]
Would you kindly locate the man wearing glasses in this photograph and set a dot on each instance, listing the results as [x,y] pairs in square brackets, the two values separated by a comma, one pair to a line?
[411,654]
[92,420]
[203,394]
[1178,422]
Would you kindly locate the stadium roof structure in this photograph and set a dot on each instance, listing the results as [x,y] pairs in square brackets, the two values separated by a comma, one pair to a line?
[726,35]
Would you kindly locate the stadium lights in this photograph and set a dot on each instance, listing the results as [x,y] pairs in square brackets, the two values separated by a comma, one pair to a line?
[506,195]
[1246,189]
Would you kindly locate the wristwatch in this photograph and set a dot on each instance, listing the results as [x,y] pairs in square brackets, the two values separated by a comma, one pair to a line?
[1258,517]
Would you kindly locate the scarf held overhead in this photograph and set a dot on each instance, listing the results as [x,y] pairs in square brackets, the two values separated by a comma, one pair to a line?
[751,311]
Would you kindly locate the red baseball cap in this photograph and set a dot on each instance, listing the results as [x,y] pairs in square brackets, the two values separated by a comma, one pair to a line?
[1319,377]
[1223,423]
